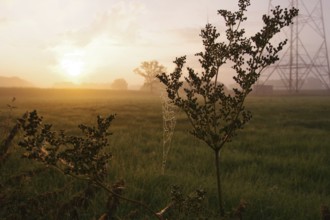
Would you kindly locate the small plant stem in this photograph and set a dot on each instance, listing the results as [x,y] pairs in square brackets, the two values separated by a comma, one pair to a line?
[4,147]
[217,165]
[142,205]
[102,186]
[164,210]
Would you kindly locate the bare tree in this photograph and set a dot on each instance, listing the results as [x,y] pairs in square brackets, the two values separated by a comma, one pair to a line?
[149,70]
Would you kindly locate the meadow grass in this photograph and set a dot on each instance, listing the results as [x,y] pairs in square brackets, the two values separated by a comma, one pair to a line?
[279,164]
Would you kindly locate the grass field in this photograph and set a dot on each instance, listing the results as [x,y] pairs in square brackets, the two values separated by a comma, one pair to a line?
[279,164]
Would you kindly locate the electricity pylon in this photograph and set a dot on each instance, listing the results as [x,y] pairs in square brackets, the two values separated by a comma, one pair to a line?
[306,52]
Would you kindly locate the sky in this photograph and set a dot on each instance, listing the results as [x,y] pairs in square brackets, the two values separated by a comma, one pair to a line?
[98,41]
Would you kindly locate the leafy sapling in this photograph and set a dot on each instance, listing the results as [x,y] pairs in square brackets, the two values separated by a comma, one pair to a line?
[215,114]
[84,158]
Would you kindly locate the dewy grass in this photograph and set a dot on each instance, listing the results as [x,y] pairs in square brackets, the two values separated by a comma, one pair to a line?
[278,166]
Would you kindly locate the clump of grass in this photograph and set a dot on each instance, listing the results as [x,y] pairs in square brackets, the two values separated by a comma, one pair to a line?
[325,212]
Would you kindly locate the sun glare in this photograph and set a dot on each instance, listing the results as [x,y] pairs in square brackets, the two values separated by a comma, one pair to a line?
[73,68]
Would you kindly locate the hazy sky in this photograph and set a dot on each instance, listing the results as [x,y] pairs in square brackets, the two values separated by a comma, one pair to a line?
[48,41]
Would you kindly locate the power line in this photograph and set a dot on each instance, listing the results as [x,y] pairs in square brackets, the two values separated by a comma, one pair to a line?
[306,54]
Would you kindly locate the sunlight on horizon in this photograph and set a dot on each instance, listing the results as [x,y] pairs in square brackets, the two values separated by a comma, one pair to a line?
[72,66]
[99,42]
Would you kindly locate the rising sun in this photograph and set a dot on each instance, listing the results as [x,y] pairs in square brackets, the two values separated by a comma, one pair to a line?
[73,68]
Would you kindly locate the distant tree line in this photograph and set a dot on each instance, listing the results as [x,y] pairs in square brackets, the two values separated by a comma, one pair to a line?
[119,84]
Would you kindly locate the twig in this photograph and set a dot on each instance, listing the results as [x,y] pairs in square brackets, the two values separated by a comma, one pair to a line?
[6,144]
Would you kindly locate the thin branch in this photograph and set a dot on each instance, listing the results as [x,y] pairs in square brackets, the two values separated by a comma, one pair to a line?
[141,204]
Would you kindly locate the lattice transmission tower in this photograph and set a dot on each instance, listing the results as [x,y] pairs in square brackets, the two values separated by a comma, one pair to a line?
[306,54]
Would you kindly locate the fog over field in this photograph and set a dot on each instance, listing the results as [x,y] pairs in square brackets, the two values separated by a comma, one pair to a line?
[150,109]
[51,41]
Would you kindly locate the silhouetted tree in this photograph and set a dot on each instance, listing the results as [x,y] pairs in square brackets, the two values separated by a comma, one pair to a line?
[149,70]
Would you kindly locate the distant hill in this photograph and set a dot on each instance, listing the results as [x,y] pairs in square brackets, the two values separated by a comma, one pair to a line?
[14,82]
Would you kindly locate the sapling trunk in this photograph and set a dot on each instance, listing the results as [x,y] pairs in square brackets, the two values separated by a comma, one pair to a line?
[217,165]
